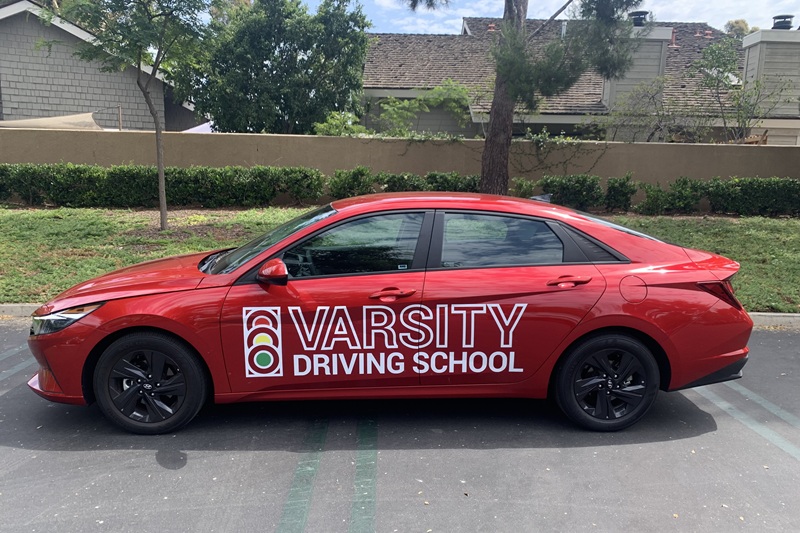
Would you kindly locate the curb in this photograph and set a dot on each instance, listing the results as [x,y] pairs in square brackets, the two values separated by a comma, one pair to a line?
[17,310]
[760,320]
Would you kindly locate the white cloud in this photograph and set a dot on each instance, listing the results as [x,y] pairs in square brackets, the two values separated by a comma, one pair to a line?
[392,5]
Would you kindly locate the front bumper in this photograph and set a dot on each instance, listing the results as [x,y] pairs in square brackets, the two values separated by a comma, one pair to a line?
[43,384]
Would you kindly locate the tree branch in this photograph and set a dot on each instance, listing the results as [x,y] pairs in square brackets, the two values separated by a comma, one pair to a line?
[548,21]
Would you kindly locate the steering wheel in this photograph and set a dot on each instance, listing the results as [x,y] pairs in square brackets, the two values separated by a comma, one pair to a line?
[299,264]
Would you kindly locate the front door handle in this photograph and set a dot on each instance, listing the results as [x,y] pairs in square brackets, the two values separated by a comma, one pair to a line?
[391,294]
[566,282]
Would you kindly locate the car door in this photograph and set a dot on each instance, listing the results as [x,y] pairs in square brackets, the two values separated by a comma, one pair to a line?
[509,289]
[346,317]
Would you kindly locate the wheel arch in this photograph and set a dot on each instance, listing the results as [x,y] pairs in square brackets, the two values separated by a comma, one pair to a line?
[664,367]
[87,375]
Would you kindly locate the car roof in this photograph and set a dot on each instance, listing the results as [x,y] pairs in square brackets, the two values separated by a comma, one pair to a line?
[452,200]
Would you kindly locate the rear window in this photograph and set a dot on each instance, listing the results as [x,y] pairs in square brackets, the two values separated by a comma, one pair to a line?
[618,227]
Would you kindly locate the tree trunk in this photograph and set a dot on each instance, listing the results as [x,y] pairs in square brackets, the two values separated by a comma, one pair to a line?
[494,161]
[496,148]
[162,182]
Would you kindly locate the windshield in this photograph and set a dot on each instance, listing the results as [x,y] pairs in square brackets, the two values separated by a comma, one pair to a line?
[230,261]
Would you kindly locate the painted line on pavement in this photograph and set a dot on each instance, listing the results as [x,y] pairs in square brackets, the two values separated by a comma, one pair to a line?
[362,513]
[12,351]
[751,423]
[781,413]
[298,501]
[11,372]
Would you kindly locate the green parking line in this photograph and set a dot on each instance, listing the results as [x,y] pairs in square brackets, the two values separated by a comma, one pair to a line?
[362,514]
[298,502]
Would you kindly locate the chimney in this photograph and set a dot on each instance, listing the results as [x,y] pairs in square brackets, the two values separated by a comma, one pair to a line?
[638,17]
[782,22]
[709,34]
[673,42]
[491,27]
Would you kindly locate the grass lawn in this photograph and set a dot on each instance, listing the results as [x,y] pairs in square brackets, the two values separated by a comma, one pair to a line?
[44,251]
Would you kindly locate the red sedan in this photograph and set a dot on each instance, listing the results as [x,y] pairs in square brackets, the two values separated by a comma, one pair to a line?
[395,296]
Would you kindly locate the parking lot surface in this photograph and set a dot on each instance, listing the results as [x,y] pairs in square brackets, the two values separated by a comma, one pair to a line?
[720,458]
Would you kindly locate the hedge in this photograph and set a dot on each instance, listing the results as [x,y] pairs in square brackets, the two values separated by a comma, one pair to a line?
[136,186]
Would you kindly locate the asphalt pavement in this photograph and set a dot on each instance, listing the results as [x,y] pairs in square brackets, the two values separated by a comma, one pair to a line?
[725,457]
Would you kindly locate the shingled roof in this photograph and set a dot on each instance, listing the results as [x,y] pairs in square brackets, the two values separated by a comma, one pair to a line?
[408,61]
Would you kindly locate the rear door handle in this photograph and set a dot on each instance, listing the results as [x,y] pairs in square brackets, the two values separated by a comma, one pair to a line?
[391,294]
[566,282]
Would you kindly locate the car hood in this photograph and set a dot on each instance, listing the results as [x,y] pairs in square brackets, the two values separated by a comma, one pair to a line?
[179,273]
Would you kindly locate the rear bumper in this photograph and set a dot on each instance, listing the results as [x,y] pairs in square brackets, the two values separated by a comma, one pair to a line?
[728,373]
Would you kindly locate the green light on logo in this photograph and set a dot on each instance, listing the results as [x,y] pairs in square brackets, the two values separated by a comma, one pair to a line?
[263,359]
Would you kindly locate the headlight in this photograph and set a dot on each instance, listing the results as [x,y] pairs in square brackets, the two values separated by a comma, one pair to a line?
[58,321]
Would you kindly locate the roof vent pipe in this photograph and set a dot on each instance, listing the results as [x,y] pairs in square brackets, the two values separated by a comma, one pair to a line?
[638,17]
[782,22]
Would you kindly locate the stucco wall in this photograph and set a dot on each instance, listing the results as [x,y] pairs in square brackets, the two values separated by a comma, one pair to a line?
[39,82]
[650,162]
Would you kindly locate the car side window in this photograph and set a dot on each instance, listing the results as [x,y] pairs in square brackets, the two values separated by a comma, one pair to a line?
[474,240]
[381,243]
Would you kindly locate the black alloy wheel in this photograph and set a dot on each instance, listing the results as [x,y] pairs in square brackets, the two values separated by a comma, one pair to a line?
[149,383]
[607,383]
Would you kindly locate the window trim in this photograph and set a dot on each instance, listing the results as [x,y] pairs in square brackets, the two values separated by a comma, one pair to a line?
[418,263]
[573,253]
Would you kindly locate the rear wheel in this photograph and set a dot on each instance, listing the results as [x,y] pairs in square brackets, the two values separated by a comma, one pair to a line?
[607,383]
[149,383]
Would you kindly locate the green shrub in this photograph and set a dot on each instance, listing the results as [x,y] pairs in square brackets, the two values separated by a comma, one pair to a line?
[656,201]
[684,195]
[452,182]
[29,182]
[619,192]
[74,185]
[261,185]
[130,186]
[522,187]
[5,173]
[402,182]
[303,185]
[580,191]
[349,183]
[755,196]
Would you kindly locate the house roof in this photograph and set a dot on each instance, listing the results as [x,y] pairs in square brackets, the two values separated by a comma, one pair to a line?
[408,61]
[9,8]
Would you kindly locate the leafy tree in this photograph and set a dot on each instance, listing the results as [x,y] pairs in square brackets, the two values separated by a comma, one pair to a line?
[148,34]
[340,124]
[275,68]
[601,42]
[398,116]
[738,103]
[739,28]
[646,114]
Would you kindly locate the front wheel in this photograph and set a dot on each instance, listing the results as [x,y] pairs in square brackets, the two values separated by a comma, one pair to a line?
[607,383]
[149,383]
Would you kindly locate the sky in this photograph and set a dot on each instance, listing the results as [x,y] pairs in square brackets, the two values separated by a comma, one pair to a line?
[393,16]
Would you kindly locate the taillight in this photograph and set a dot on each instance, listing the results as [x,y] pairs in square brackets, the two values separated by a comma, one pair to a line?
[722,290]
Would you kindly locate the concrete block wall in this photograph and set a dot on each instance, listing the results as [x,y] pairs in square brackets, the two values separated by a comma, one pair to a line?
[41,81]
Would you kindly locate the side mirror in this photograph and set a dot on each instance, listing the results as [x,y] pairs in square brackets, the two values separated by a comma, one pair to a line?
[273,272]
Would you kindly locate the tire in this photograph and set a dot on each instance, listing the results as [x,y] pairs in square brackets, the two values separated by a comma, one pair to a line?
[149,383]
[607,383]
